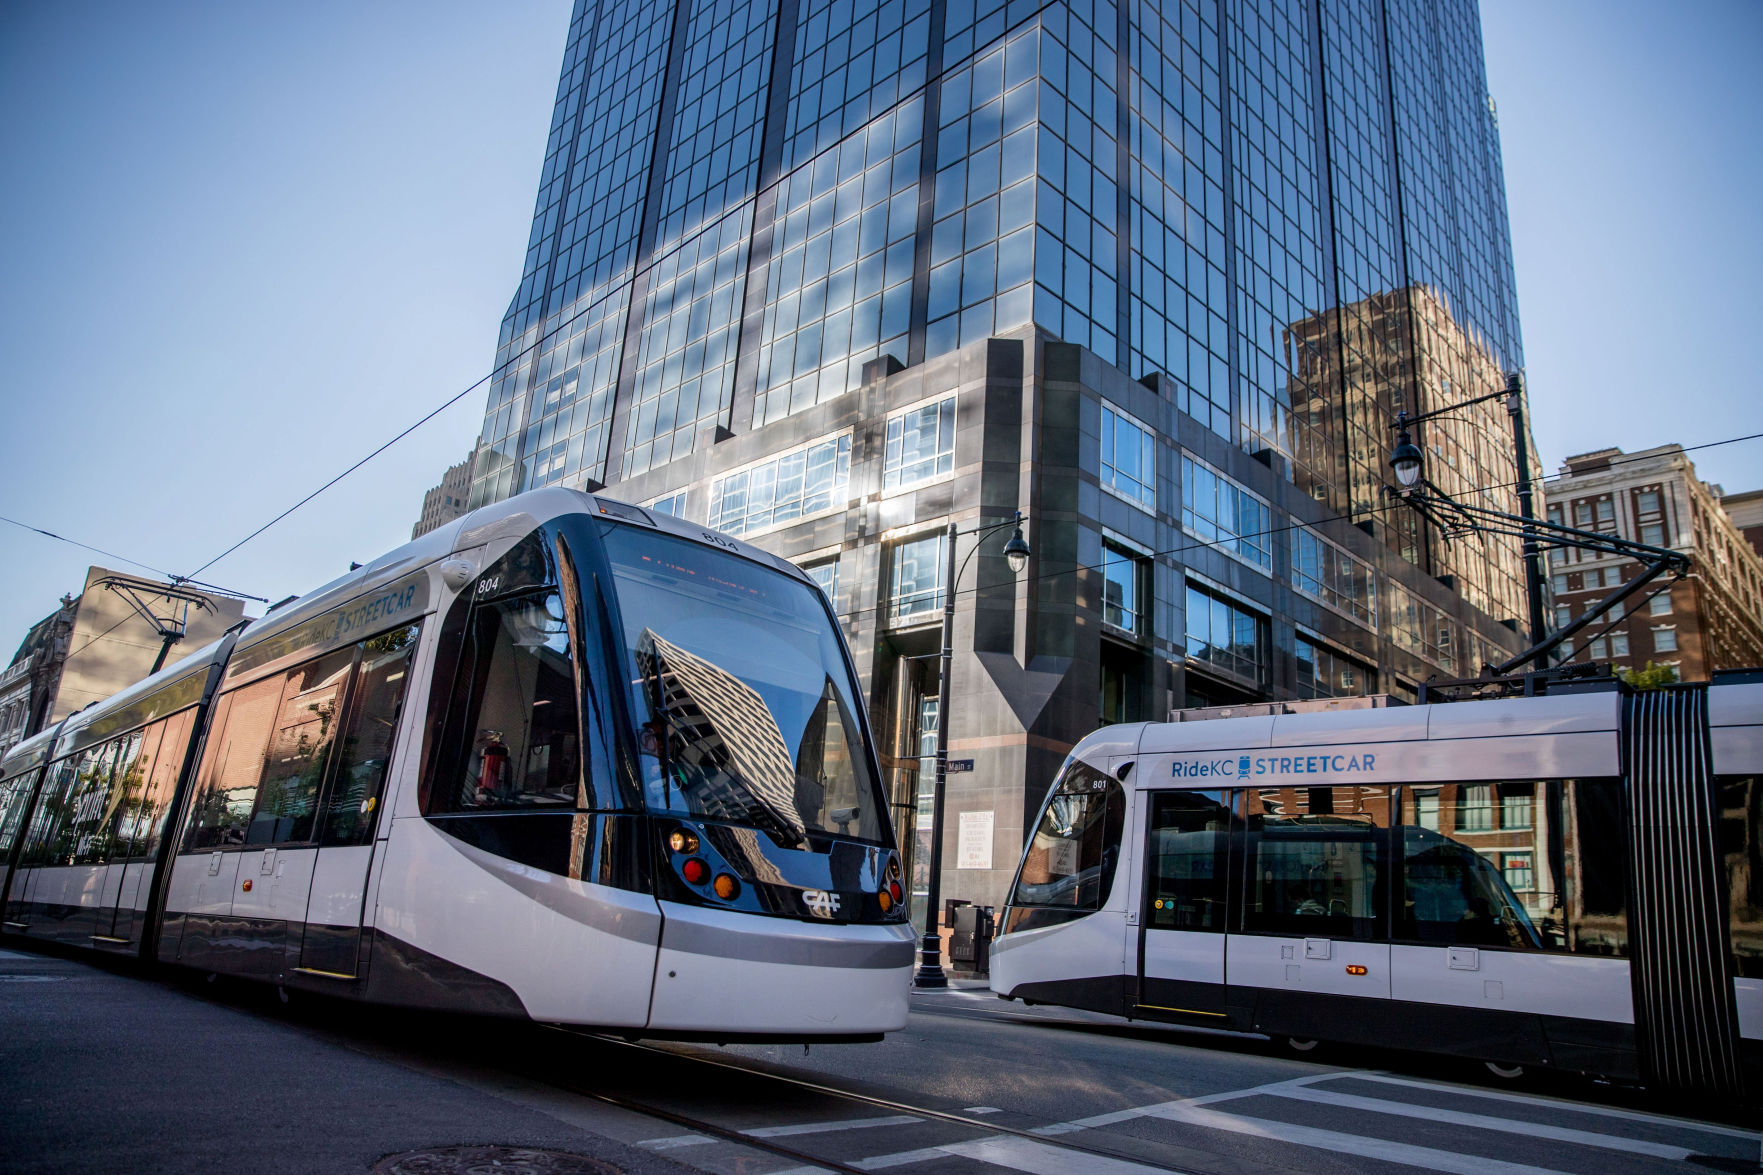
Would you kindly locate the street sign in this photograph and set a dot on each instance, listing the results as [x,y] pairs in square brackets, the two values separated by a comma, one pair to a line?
[959,765]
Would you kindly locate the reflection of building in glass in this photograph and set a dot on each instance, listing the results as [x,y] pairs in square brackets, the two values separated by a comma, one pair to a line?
[1156,274]
[1713,618]
[1353,368]
[722,738]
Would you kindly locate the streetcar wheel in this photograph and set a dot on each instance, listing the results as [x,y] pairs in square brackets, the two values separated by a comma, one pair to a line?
[1300,1044]
[1504,1072]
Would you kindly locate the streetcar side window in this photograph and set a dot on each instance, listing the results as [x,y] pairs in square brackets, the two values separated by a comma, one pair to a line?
[513,716]
[1071,858]
[1317,861]
[233,764]
[1517,865]
[15,796]
[1741,851]
[161,784]
[299,750]
[1189,847]
[366,750]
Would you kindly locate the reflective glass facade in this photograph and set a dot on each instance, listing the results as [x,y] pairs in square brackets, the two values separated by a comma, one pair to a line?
[1292,211]
[833,274]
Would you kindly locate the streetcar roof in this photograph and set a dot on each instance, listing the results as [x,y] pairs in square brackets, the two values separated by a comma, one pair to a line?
[1559,714]
[171,689]
[26,753]
[510,519]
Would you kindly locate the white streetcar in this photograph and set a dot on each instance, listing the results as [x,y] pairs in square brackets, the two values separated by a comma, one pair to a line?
[562,759]
[1570,881]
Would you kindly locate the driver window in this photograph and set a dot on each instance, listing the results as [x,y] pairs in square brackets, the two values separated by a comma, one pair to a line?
[514,716]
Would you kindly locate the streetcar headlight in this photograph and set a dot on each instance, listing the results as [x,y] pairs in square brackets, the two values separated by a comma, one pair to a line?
[681,841]
[695,871]
[726,887]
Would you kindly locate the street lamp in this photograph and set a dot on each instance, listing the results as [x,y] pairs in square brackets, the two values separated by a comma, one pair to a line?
[1405,458]
[1016,553]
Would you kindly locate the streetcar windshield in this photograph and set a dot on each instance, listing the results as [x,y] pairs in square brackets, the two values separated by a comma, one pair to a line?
[747,709]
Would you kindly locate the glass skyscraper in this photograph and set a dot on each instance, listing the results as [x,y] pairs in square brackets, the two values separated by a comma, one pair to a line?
[830,273]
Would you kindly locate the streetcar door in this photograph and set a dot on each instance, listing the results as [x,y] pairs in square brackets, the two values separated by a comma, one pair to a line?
[351,811]
[1315,901]
[1182,915]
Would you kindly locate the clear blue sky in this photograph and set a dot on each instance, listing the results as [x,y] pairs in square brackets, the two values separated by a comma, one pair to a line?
[243,244]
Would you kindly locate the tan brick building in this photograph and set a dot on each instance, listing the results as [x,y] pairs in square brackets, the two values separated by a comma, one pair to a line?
[1713,618]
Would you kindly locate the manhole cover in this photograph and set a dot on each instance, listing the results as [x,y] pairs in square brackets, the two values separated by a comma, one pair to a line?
[491,1160]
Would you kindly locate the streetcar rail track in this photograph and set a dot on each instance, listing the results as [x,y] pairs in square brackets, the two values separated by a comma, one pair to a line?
[986,1126]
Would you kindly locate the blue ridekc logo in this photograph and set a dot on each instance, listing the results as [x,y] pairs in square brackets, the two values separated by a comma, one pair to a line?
[1252,766]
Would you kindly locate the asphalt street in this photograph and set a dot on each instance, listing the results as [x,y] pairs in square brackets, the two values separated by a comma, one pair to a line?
[116,1070]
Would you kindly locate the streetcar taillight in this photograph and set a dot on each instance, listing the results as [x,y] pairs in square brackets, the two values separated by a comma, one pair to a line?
[681,841]
[726,887]
[695,871]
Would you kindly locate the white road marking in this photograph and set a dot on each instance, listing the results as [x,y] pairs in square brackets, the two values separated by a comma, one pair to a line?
[1038,1158]
[675,1142]
[1425,1157]
[1019,1154]
[1347,1101]
[1115,1117]
[981,1110]
[1557,1104]
[901,1159]
[829,1127]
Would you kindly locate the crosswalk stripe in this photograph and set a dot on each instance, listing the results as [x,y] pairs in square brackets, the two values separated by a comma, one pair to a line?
[1039,1158]
[1452,1162]
[674,1142]
[1557,1104]
[1348,1101]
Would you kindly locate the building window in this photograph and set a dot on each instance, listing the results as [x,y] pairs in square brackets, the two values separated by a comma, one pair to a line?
[920,445]
[1518,872]
[826,575]
[1559,583]
[1619,644]
[1129,459]
[1426,808]
[1217,510]
[784,489]
[1226,637]
[673,505]
[916,587]
[1659,605]
[1647,504]
[1653,534]
[1515,805]
[1665,640]
[1421,629]
[1563,616]
[1595,649]
[1606,514]
[1322,673]
[1325,572]
[1123,577]
[1475,808]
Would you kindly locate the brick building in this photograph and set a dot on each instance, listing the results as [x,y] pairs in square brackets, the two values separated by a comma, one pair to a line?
[1713,618]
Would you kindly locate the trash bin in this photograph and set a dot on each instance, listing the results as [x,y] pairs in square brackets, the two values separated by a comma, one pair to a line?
[971,940]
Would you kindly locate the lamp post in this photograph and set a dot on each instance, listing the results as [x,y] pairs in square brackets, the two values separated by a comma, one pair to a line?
[1016,552]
